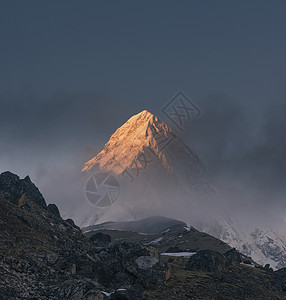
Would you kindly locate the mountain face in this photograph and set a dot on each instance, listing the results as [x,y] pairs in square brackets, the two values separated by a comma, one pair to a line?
[144,143]
[145,153]
[145,135]
[160,175]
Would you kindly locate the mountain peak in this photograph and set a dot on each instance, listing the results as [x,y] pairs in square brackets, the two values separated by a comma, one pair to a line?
[141,135]
[141,131]
[143,117]
[144,114]
[146,146]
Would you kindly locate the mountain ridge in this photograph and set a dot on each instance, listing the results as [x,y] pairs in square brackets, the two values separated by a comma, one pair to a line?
[45,257]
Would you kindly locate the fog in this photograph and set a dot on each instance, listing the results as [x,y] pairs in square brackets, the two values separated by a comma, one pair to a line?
[242,146]
[72,74]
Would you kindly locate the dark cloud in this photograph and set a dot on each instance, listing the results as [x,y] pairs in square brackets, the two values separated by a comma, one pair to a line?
[243,148]
[51,137]
[34,118]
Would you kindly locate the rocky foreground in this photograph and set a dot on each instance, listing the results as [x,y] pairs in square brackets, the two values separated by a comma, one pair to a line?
[43,256]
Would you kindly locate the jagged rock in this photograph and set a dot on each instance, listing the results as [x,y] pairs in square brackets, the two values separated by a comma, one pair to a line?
[10,187]
[33,192]
[71,222]
[53,209]
[207,261]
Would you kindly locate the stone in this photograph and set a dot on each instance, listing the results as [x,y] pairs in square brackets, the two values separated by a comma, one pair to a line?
[207,261]
[146,262]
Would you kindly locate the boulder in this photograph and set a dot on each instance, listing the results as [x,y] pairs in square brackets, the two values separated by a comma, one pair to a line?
[146,262]
[207,261]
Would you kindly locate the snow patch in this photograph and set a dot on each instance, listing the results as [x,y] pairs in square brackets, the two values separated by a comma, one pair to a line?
[154,242]
[109,294]
[178,254]
[247,265]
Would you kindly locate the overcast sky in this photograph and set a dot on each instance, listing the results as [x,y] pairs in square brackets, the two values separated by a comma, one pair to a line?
[71,72]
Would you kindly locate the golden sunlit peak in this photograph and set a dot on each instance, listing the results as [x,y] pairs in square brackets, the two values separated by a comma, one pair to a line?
[145,113]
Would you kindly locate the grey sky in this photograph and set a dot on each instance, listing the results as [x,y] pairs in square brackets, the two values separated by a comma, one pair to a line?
[72,72]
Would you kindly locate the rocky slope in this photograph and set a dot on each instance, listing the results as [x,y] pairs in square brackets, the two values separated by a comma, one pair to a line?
[164,233]
[43,256]
[46,257]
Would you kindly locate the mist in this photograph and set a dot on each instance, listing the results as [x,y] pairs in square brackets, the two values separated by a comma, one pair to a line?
[244,150]
[50,138]
[67,84]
